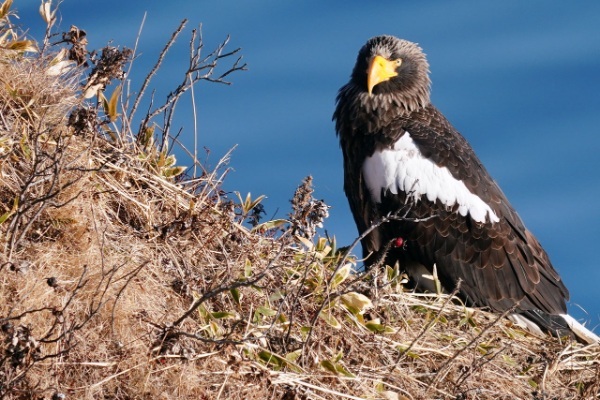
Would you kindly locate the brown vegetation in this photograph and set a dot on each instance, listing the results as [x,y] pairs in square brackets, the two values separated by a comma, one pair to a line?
[122,278]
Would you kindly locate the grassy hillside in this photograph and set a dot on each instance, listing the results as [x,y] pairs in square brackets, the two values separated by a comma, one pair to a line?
[125,276]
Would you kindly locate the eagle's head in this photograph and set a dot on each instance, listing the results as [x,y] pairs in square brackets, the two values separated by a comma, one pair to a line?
[391,71]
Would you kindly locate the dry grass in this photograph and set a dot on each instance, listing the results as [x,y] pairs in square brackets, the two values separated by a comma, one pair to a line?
[120,280]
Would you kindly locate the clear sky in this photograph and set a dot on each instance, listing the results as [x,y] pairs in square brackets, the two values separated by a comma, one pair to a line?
[520,80]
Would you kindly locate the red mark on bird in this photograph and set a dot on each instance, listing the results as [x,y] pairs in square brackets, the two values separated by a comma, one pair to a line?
[398,242]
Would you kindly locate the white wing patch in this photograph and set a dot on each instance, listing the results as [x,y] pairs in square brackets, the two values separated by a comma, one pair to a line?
[403,168]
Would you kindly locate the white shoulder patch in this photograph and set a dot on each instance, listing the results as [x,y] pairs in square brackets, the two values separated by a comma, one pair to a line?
[403,168]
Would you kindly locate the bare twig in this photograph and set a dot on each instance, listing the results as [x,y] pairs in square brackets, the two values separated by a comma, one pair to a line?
[198,69]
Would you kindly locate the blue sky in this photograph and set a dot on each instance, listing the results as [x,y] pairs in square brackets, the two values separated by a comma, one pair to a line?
[520,80]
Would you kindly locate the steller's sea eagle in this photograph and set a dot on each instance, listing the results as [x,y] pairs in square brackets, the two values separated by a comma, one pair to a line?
[402,157]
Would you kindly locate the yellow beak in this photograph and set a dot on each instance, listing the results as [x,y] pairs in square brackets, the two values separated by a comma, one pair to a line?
[381,70]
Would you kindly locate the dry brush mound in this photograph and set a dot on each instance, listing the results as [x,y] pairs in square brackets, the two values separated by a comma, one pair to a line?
[123,278]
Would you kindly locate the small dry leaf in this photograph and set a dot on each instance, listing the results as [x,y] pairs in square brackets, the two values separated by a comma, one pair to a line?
[60,68]
[113,103]
[92,90]
[46,12]
[5,8]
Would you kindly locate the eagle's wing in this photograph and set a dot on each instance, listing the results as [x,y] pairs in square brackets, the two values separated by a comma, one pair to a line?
[364,210]
[498,260]
[355,147]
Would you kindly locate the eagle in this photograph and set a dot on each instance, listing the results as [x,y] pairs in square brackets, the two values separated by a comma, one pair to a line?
[422,198]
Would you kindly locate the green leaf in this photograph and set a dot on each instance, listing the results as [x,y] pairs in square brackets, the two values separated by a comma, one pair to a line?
[25,146]
[390,273]
[485,348]
[247,268]
[507,359]
[341,275]
[248,204]
[323,246]
[446,336]
[337,357]
[272,359]
[267,312]
[202,311]
[402,349]
[235,293]
[147,136]
[356,303]
[170,160]
[265,226]
[277,295]
[532,383]
[215,328]
[104,101]
[161,160]
[330,319]
[282,319]
[222,315]
[14,209]
[173,172]
[378,328]
[468,319]
[343,371]
[328,365]
[294,355]
[336,368]
[305,330]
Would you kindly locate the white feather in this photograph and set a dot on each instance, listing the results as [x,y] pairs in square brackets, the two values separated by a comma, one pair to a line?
[580,331]
[526,324]
[404,168]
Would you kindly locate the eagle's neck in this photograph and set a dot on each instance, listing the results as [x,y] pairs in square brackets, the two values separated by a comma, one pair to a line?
[373,112]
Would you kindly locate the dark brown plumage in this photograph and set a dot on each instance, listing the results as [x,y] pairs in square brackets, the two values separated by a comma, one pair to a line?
[402,156]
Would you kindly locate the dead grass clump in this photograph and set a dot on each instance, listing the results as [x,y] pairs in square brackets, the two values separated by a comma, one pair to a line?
[121,278]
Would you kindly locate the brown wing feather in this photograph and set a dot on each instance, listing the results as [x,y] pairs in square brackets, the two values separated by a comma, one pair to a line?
[501,263]
[363,210]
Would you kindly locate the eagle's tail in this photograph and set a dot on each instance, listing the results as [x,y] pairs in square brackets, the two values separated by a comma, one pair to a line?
[582,333]
[558,325]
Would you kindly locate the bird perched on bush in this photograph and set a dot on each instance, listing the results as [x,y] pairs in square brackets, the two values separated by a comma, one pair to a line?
[402,158]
